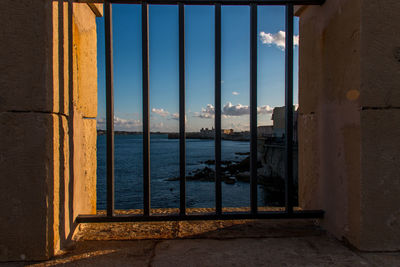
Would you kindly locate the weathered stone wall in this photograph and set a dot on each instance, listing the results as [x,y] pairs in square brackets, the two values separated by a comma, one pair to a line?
[328,119]
[48,131]
[272,157]
[349,117]
[380,124]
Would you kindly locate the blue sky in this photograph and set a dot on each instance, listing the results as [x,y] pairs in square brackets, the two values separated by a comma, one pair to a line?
[164,89]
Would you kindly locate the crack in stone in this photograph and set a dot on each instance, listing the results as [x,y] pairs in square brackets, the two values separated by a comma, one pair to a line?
[35,111]
[379,108]
[153,253]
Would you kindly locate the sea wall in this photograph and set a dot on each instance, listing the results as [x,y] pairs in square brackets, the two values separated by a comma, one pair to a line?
[271,154]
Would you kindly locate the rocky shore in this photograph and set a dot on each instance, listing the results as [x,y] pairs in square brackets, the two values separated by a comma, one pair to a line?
[231,172]
[238,172]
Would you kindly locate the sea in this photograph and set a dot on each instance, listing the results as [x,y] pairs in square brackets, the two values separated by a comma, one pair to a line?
[164,164]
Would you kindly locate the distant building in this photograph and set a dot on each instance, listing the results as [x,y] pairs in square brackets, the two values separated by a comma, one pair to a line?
[227,131]
[265,131]
[278,116]
[205,132]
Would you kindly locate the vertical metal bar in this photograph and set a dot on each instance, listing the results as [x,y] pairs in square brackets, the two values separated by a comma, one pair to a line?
[109,106]
[182,134]
[146,117]
[218,189]
[289,108]
[253,108]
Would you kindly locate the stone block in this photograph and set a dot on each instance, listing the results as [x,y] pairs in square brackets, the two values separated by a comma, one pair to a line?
[26,61]
[61,58]
[380,182]
[35,57]
[352,166]
[329,54]
[308,162]
[341,55]
[85,140]
[85,66]
[26,166]
[310,65]
[61,179]
[380,53]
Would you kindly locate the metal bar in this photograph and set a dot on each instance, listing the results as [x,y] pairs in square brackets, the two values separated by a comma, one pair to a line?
[146,117]
[210,2]
[182,117]
[289,108]
[109,106]
[218,188]
[253,108]
[315,214]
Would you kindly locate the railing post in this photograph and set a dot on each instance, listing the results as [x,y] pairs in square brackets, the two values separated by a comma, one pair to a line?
[182,111]
[217,117]
[146,117]
[109,106]
[253,108]
[289,108]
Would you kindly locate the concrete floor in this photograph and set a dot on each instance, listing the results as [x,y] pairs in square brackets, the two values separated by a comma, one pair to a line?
[215,243]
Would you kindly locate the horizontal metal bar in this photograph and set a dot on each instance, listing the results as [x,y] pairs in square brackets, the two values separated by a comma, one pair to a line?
[307,214]
[209,2]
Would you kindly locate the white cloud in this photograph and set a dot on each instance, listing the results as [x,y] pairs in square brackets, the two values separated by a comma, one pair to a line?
[277,39]
[265,109]
[121,124]
[235,93]
[235,110]
[230,110]
[175,116]
[206,113]
[238,126]
[160,111]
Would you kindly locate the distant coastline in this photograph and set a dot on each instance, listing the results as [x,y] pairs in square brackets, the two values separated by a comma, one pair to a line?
[104,132]
[239,136]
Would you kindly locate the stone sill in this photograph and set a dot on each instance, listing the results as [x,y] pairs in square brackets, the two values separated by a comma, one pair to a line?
[197,229]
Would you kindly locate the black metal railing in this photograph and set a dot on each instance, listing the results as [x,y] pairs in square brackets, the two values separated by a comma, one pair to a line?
[254,213]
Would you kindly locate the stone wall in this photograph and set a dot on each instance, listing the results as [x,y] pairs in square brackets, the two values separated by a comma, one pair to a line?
[349,119]
[48,130]
[271,154]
